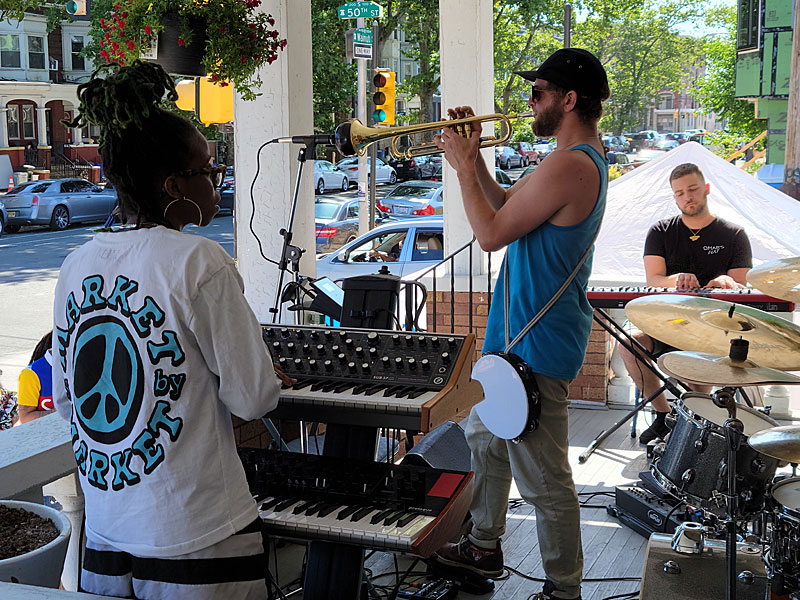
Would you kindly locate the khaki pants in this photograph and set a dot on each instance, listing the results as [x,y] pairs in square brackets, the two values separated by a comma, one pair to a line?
[540,466]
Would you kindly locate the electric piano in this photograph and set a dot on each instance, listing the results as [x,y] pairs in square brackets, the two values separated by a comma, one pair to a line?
[348,376]
[368,504]
[618,297]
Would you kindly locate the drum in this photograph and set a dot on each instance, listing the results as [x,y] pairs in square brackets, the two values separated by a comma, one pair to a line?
[783,557]
[693,465]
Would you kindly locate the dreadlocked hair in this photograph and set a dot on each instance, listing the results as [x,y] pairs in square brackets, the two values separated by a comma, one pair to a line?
[141,142]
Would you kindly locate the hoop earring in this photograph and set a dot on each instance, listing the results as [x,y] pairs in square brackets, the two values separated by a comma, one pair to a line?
[199,211]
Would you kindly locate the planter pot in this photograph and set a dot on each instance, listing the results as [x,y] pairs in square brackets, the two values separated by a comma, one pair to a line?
[181,60]
[42,566]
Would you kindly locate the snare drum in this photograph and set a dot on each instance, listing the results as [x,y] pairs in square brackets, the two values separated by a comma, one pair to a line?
[693,465]
[783,557]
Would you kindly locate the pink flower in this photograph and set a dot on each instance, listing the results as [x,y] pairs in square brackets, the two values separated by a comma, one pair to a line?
[104,54]
[115,45]
[242,60]
[121,24]
[131,45]
[181,41]
[147,29]
[214,77]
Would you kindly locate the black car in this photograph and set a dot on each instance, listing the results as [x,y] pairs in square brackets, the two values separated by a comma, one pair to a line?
[227,192]
[407,168]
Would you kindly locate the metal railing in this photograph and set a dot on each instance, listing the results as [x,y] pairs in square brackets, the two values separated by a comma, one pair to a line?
[62,166]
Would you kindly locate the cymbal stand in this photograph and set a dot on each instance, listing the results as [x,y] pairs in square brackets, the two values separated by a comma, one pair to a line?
[641,354]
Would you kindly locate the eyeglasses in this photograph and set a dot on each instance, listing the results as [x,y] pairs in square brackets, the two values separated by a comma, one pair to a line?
[536,93]
[217,173]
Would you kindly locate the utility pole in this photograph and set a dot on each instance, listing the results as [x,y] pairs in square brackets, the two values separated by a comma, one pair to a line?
[567,24]
[791,162]
[361,105]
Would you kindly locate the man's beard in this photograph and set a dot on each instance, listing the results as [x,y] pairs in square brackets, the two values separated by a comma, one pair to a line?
[699,207]
[547,121]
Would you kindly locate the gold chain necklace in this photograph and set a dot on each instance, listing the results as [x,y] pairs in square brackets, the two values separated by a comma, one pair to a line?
[695,234]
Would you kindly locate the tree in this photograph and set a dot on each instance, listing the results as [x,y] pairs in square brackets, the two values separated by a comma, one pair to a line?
[715,93]
[421,26]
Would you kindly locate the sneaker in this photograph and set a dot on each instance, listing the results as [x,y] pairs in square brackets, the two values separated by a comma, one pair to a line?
[466,555]
[547,593]
[658,430]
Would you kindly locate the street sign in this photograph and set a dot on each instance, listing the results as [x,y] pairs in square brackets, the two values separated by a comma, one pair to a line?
[360,10]
[362,36]
[361,51]
[355,48]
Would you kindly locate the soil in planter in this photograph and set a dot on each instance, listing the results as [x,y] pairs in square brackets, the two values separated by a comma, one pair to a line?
[22,531]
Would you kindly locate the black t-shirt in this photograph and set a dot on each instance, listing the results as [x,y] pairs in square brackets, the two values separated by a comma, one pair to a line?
[721,246]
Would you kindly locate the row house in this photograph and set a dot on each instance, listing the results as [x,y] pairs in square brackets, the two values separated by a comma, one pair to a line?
[678,110]
[39,77]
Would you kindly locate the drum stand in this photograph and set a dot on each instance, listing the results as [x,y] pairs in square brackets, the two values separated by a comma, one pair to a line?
[641,354]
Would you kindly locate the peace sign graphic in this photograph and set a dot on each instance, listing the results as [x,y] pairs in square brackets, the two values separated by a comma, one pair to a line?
[108,379]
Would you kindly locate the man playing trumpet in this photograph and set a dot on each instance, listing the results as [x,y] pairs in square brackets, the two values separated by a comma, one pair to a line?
[546,221]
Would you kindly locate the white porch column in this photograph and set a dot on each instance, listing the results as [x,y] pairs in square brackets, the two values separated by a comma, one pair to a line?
[3,127]
[284,108]
[467,68]
[41,118]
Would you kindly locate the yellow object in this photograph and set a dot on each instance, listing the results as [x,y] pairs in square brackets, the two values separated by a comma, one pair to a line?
[29,388]
[675,114]
[209,101]
[383,98]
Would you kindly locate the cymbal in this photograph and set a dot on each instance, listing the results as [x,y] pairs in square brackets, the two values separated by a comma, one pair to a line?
[699,324]
[710,369]
[778,278]
[782,442]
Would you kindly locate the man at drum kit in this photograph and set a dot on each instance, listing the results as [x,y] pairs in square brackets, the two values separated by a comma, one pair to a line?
[547,221]
[691,250]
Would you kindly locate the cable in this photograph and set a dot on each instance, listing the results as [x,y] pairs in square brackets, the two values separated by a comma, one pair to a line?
[400,581]
[586,580]
[253,202]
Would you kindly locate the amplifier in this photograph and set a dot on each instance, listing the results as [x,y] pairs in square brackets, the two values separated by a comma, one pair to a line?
[646,513]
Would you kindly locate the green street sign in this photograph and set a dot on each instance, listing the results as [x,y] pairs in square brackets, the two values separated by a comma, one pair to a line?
[362,36]
[360,10]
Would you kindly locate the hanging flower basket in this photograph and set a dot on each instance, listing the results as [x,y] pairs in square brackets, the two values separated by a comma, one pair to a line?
[180,58]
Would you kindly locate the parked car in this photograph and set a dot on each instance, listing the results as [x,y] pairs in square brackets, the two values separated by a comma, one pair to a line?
[428,165]
[502,178]
[615,143]
[227,198]
[57,203]
[506,156]
[413,199]
[642,140]
[337,222]
[328,176]
[3,218]
[406,168]
[404,247]
[527,150]
[666,141]
[383,172]
[544,147]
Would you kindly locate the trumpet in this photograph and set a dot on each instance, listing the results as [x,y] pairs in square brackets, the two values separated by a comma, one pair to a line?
[353,137]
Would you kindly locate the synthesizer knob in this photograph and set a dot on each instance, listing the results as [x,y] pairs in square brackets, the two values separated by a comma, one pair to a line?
[328,334]
[321,349]
[398,363]
[290,347]
[426,364]
[284,332]
[342,358]
[276,346]
[269,333]
[306,348]
[365,367]
[372,337]
[396,338]
[335,349]
[314,335]
[435,342]
[385,362]
[283,362]
[422,340]
[451,342]
[373,353]
[412,364]
[312,365]
[298,364]
[328,364]
[351,366]
[299,334]
[359,350]
[348,342]
[445,357]
[409,340]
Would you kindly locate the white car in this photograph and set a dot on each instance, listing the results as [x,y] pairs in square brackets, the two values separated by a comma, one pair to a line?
[383,173]
[327,176]
[404,247]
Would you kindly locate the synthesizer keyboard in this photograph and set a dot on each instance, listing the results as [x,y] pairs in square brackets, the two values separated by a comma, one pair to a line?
[412,381]
[373,505]
[618,297]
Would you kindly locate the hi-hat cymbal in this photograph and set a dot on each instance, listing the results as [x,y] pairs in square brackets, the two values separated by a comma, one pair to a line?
[706,325]
[778,278]
[782,442]
[710,369]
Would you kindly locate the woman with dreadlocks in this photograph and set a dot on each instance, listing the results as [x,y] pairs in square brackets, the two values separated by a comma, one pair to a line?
[154,347]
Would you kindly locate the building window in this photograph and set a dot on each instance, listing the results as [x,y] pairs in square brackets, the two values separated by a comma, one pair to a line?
[408,70]
[27,121]
[9,51]
[747,26]
[666,103]
[77,60]
[35,52]
[12,117]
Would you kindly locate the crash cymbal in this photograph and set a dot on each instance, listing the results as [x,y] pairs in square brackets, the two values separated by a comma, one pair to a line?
[782,442]
[778,278]
[710,369]
[706,325]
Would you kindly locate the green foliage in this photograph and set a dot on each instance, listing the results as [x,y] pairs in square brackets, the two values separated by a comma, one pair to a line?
[56,12]
[421,26]
[715,93]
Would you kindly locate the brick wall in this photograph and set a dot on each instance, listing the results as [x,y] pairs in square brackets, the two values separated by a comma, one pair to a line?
[592,381]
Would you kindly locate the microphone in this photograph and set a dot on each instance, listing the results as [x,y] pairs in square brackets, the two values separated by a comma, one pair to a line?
[323,138]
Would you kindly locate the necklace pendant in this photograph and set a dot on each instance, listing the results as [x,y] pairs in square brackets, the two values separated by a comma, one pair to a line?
[694,237]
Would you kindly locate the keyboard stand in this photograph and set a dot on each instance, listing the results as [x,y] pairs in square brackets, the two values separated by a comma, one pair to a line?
[644,357]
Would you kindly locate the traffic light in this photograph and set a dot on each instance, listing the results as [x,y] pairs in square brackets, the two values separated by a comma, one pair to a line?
[383,98]
[675,114]
[75,7]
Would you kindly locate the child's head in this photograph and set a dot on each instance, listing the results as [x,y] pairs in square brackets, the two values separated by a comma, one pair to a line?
[42,347]
[154,158]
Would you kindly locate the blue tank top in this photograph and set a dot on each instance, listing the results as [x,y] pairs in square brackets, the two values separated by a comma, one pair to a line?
[540,263]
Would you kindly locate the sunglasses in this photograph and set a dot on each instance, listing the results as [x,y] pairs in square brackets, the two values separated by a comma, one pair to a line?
[536,92]
[217,173]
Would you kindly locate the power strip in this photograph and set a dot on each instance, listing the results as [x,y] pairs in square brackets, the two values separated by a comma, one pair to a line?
[438,589]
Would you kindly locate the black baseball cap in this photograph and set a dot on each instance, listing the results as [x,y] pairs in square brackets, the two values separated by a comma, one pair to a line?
[573,69]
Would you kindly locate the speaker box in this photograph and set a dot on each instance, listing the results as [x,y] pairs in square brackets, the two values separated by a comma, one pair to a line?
[444,447]
[370,301]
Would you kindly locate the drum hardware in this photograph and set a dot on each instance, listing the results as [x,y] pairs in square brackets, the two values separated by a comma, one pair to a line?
[779,278]
[696,324]
[672,568]
[689,538]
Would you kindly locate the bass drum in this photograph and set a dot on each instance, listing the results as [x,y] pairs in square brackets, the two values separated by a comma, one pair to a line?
[511,405]
[783,557]
[693,465]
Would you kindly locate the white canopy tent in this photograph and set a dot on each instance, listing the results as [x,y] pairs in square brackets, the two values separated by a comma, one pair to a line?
[643,196]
